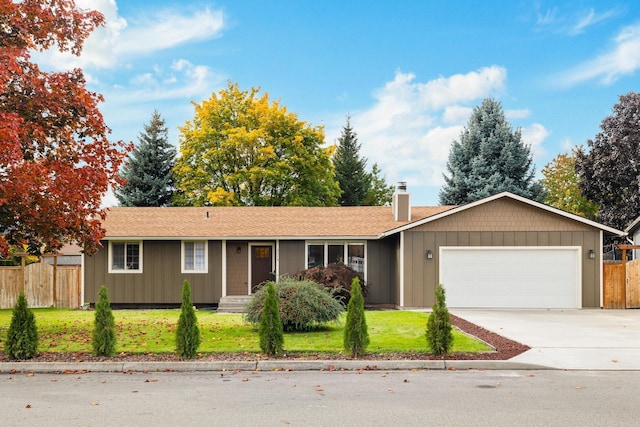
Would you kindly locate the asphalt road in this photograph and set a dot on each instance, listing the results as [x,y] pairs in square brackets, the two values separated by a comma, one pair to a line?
[312,398]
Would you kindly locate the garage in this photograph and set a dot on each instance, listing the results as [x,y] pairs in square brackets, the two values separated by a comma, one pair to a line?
[511,277]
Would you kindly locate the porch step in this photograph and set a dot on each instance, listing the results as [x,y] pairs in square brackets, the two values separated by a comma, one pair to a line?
[233,303]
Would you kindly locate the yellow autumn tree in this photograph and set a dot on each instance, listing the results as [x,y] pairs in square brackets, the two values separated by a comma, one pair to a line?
[562,186]
[241,149]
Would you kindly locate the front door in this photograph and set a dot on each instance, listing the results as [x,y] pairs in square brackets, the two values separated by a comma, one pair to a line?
[261,265]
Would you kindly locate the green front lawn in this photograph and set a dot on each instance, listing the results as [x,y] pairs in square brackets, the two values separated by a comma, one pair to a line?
[153,331]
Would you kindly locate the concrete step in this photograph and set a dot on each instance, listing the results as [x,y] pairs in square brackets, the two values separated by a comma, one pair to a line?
[233,303]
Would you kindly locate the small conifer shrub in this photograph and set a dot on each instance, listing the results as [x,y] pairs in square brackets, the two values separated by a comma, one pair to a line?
[187,332]
[22,337]
[104,326]
[439,334]
[270,329]
[356,335]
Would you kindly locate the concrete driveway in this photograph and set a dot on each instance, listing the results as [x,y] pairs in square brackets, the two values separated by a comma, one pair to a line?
[567,339]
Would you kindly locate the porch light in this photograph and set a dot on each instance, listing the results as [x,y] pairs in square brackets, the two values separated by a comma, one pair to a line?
[429,254]
[592,254]
[238,249]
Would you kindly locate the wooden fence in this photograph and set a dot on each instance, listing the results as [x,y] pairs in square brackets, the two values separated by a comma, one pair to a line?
[40,286]
[621,284]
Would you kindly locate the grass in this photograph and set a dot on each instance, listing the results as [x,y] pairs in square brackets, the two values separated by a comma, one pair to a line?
[153,331]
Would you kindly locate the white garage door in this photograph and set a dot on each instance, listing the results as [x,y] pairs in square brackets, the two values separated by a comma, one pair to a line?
[511,277]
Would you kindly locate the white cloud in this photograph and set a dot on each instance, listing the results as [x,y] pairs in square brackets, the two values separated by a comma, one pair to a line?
[588,19]
[120,40]
[573,23]
[517,114]
[622,59]
[409,129]
[534,135]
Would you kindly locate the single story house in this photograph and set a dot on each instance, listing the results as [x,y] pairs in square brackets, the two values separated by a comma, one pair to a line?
[504,251]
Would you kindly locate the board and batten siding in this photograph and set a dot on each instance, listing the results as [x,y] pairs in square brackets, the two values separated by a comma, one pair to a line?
[502,222]
[161,279]
[381,272]
[421,274]
[291,257]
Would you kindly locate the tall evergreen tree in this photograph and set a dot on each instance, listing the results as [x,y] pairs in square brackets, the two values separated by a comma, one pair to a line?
[149,170]
[489,158]
[380,193]
[350,168]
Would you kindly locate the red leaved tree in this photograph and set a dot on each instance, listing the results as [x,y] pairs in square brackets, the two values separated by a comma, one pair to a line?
[56,161]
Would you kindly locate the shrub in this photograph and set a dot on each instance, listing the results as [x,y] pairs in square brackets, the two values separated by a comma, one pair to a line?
[336,276]
[104,326]
[22,337]
[187,332]
[356,336]
[303,304]
[270,330]
[439,335]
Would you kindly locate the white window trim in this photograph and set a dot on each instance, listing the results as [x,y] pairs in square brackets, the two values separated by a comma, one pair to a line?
[183,269]
[125,271]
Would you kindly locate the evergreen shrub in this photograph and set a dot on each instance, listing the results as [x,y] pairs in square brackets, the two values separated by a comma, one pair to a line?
[187,332]
[356,335]
[303,304]
[271,330]
[104,326]
[22,337]
[439,330]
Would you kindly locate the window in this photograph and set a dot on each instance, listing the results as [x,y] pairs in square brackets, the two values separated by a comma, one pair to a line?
[125,257]
[355,256]
[194,257]
[324,253]
[315,255]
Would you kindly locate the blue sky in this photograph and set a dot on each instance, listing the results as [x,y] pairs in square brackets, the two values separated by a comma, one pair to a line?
[408,72]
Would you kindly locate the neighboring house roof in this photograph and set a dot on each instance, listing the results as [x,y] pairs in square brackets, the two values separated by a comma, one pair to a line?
[631,228]
[247,222]
[512,196]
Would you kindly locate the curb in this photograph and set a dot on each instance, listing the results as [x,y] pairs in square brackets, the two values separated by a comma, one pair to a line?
[266,365]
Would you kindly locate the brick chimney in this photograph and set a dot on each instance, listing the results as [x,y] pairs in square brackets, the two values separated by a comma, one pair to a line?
[400,204]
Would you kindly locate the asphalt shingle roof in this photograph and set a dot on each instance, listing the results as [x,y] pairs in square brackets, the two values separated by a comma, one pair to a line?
[256,222]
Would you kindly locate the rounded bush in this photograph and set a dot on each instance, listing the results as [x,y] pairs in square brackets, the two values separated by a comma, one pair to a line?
[302,304]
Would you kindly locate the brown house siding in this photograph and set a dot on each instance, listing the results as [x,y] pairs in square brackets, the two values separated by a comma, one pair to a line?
[503,215]
[161,279]
[381,272]
[421,274]
[292,257]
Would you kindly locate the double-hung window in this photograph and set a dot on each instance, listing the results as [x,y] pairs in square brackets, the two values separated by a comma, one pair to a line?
[194,257]
[125,257]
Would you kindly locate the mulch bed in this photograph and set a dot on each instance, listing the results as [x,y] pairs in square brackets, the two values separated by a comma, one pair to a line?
[504,349]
